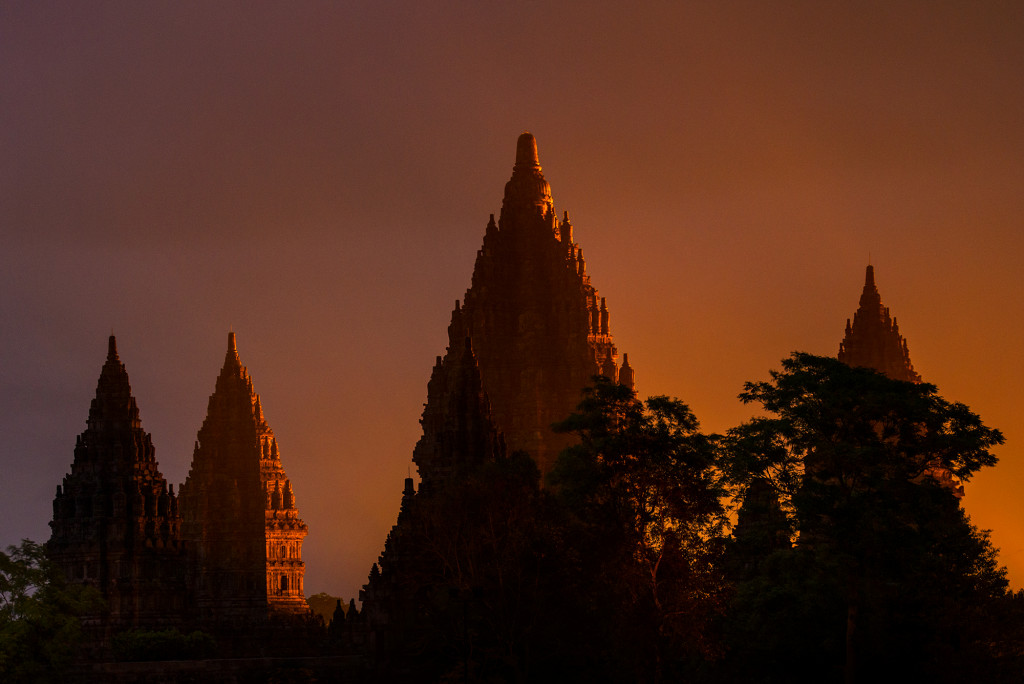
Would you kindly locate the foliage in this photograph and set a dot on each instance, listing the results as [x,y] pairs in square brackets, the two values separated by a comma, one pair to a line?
[887,572]
[645,505]
[478,595]
[323,604]
[40,627]
[168,644]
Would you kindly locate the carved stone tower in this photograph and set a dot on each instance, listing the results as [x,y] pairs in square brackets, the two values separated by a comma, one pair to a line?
[239,511]
[539,330]
[873,340]
[115,520]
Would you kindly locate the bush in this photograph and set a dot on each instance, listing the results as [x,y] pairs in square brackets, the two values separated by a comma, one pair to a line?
[168,644]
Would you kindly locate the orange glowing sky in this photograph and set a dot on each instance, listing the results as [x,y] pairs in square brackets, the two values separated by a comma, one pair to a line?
[318,176]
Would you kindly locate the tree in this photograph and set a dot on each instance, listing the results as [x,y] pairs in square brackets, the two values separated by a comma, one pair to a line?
[644,496]
[39,615]
[323,605]
[887,562]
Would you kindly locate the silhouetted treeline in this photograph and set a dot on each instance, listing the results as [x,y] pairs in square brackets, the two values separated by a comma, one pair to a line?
[821,542]
[850,557]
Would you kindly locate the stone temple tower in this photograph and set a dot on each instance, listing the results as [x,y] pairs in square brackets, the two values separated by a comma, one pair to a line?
[115,519]
[238,510]
[873,339]
[539,329]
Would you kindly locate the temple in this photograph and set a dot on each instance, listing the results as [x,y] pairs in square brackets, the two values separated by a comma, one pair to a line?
[115,519]
[238,510]
[538,327]
[873,339]
[527,338]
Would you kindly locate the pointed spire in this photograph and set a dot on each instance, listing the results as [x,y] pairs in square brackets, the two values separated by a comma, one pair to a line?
[873,339]
[869,297]
[288,496]
[565,230]
[626,373]
[231,358]
[114,403]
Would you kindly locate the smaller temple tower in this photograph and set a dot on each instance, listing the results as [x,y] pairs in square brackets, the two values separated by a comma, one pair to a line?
[873,339]
[115,520]
[238,510]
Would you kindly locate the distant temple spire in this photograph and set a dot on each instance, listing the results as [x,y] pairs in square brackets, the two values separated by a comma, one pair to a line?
[873,338]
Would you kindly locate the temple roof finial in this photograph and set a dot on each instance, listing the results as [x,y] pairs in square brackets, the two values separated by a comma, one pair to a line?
[112,348]
[526,150]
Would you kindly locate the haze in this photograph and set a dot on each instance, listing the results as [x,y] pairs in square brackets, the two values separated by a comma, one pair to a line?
[317,177]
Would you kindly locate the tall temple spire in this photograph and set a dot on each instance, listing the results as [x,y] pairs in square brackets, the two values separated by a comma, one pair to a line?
[528,337]
[873,338]
[539,329]
[115,523]
[247,542]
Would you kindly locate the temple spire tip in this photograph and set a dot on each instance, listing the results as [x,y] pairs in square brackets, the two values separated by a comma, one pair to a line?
[112,347]
[526,150]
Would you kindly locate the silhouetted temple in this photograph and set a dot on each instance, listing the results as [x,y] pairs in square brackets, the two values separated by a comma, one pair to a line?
[432,534]
[458,432]
[225,553]
[539,330]
[238,510]
[873,339]
[528,337]
[115,520]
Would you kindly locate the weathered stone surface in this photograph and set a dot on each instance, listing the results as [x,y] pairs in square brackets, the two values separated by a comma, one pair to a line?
[115,520]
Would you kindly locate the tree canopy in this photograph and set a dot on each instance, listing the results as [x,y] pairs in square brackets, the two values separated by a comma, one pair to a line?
[645,501]
[885,572]
[39,624]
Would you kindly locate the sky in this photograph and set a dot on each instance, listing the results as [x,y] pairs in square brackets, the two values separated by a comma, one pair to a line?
[317,177]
